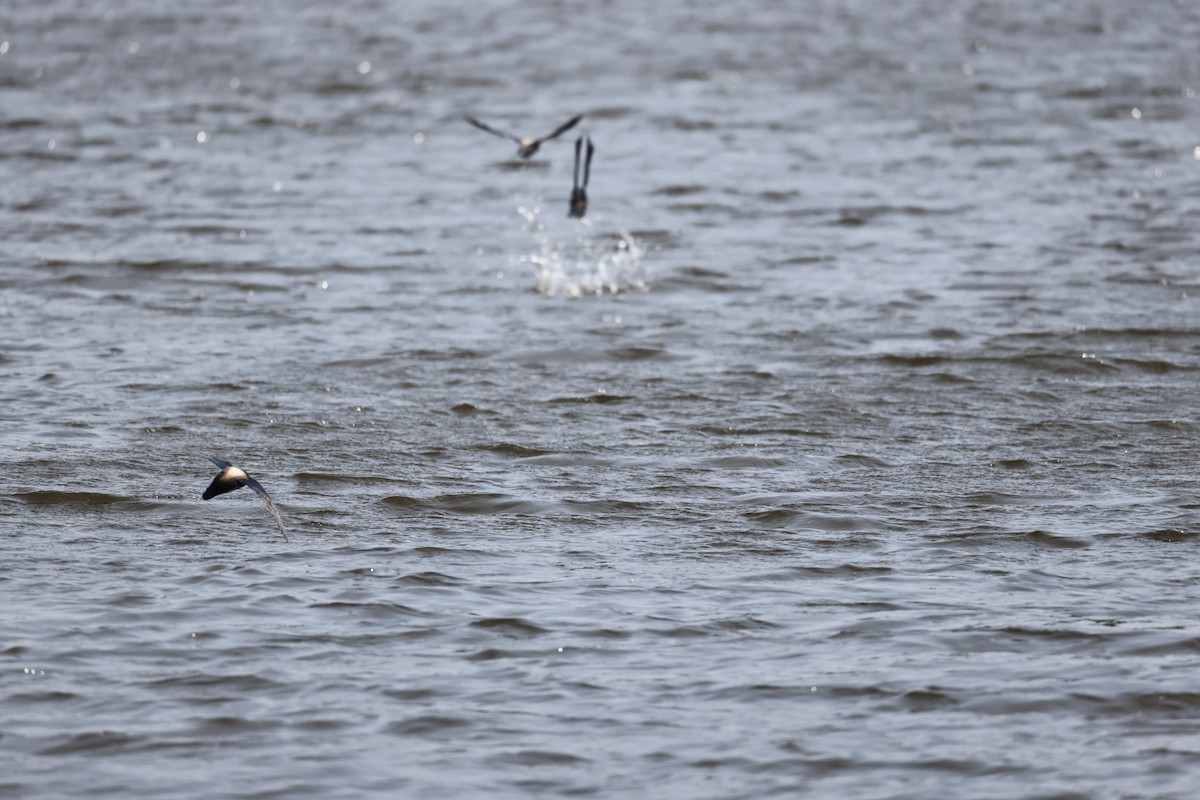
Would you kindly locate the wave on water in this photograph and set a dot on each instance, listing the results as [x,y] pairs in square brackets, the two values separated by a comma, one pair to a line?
[585,263]
[69,498]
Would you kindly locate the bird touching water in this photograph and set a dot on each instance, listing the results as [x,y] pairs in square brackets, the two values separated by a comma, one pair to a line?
[527,146]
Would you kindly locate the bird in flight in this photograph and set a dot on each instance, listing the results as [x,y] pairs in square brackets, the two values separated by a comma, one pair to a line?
[231,478]
[527,146]
[579,192]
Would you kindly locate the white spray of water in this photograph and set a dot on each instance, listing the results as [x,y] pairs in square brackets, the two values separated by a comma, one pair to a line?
[583,263]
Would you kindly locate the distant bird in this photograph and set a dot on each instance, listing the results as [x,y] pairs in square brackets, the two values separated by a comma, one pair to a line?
[579,192]
[526,147]
[231,478]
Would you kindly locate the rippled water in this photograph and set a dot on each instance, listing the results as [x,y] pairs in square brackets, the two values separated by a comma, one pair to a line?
[846,449]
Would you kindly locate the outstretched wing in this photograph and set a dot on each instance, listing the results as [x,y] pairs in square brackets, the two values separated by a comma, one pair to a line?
[587,164]
[561,129]
[266,498]
[575,175]
[491,130]
[217,461]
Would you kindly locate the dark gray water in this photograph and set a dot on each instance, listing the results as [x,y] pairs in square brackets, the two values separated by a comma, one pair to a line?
[846,450]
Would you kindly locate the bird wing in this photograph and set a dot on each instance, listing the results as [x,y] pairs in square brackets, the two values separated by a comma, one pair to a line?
[492,130]
[220,463]
[587,164]
[266,498]
[575,177]
[561,129]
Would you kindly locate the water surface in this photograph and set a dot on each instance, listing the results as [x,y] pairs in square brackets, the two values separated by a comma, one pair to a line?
[847,449]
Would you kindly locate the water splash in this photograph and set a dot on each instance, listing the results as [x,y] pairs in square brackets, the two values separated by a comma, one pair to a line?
[584,263]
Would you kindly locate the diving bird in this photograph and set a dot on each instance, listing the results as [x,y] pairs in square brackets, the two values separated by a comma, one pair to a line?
[579,192]
[526,147]
[231,478]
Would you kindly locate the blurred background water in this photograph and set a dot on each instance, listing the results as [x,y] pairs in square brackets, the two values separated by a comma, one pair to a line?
[846,449]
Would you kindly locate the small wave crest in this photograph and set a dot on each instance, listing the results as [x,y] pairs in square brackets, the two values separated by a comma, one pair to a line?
[54,497]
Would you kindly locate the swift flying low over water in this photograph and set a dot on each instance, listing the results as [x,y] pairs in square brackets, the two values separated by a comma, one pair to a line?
[579,198]
[527,146]
[230,478]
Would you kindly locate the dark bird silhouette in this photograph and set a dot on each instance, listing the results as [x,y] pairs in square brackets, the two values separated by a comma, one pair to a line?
[579,192]
[231,478]
[527,146]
